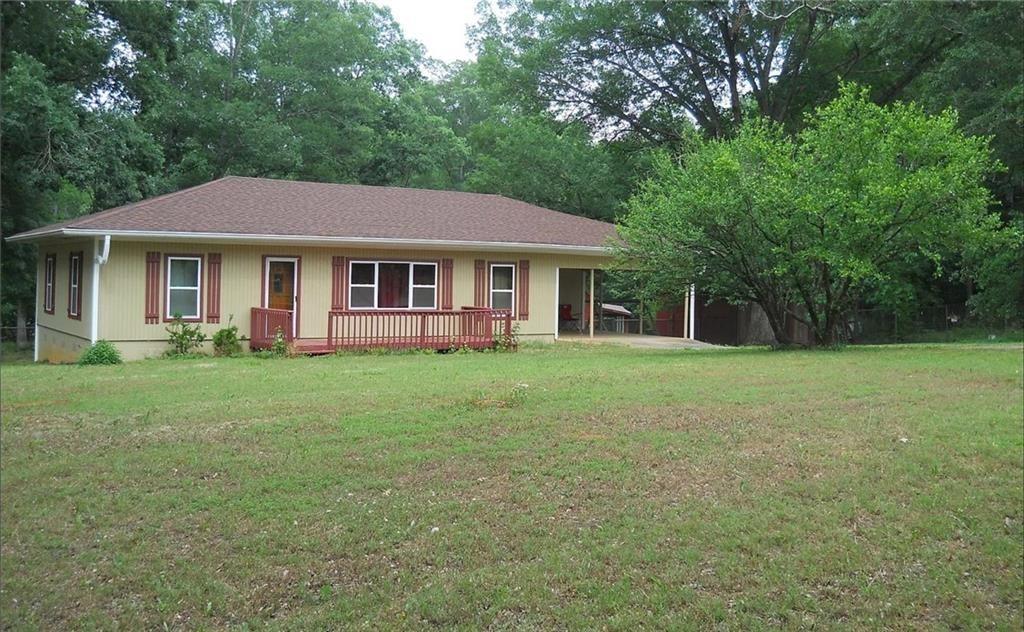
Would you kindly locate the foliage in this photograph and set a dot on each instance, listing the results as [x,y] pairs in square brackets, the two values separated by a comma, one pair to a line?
[279,348]
[100,352]
[68,148]
[507,342]
[649,68]
[184,337]
[536,160]
[998,268]
[805,226]
[226,341]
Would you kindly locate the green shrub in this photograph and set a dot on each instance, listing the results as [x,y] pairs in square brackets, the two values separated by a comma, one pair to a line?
[183,337]
[226,342]
[103,352]
[280,346]
[507,342]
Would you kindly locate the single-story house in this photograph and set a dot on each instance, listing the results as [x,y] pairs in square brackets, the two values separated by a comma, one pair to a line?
[326,266]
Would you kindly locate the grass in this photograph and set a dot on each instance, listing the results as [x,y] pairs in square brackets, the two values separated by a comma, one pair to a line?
[11,354]
[577,487]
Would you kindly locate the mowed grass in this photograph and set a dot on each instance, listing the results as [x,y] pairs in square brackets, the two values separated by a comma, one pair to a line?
[571,487]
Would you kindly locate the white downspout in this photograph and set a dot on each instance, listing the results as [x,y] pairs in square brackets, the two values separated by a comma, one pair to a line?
[94,298]
[35,339]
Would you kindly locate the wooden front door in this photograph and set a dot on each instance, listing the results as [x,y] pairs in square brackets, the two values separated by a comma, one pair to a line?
[281,285]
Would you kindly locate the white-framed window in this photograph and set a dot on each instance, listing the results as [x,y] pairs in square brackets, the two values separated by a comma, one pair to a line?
[503,286]
[184,278]
[49,279]
[392,285]
[75,285]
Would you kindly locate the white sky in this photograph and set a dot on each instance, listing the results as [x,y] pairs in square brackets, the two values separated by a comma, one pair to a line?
[440,25]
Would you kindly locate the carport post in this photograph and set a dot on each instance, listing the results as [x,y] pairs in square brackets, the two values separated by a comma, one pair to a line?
[686,315]
[591,302]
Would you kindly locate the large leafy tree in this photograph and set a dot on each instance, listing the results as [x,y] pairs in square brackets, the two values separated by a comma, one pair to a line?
[538,160]
[804,226]
[646,67]
[528,154]
[312,90]
[69,142]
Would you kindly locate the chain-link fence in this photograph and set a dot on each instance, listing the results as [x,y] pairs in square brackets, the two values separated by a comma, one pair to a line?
[944,323]
[10,334]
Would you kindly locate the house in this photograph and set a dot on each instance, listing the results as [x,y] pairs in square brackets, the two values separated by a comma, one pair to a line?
[326,266]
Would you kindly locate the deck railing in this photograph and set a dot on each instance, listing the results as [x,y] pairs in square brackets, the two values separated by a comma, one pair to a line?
[473,327]
[265,324]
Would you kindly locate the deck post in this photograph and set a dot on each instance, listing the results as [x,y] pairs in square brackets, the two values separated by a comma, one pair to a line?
[591,303]
[686,315]
[693,311]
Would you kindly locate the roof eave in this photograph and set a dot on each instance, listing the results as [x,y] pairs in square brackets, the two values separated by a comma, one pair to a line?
[320,240]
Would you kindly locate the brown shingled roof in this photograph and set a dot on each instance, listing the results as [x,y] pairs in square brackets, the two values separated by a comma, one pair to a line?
[256,206]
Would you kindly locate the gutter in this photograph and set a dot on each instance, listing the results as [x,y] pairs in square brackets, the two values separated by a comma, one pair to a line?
[370,242]
[94,297]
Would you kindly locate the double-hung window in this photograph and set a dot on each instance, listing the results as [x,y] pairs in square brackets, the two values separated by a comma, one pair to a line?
[49,279]
[75,285]
[392,285]
[184,274]
[503,283]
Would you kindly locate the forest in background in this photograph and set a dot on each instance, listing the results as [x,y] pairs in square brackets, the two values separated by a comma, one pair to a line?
[106,103]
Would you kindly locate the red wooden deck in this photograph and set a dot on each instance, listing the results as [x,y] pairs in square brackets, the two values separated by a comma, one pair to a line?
[472,327]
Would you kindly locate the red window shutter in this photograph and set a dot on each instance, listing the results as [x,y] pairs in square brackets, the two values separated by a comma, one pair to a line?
[213,288]
[339,268]
[524,289]
[480,284]
[152,287]
[446,283]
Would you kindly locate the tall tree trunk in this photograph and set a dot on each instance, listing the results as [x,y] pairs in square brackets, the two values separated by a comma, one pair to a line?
[21,327]
[777,321]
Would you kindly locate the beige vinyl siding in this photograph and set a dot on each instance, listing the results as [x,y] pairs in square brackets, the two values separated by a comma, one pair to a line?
[58,321]
[123,278]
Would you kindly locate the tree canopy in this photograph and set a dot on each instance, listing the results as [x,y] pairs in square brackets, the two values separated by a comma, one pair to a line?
[805,225]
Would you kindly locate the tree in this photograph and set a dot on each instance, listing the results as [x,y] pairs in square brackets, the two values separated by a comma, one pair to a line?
[70,144]
[542,162]
[646,67]
[804,226]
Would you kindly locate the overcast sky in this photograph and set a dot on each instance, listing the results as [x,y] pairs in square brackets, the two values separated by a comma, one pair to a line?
[440,25]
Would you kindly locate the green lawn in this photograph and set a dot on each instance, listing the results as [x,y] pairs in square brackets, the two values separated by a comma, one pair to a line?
[573,487]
